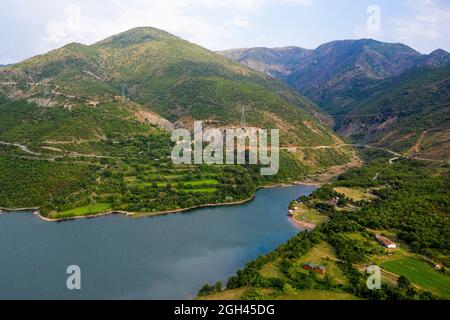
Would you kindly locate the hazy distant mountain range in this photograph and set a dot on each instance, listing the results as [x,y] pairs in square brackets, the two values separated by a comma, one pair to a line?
[388,82]
[278,62]
[387,94]
[328,73]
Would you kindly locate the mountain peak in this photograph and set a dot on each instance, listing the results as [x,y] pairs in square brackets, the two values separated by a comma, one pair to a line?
[439,52]
[277,62]
[135,36]
[367,43]
[437,58]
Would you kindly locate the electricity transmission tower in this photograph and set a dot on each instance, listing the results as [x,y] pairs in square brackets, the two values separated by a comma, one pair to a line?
[46,91]
[123,89]
[243,117]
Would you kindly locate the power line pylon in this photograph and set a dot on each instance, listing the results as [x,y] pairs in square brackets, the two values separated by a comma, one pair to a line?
[243,117]
[123,89]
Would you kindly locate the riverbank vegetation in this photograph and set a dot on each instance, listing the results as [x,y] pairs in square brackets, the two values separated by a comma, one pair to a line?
[136,175]
[406,201]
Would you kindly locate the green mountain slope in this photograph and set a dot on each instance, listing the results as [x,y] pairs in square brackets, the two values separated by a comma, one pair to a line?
[410,114]
[333,70]
[382,93]
[171,77]
[408,204]
[106,109]
[337,73]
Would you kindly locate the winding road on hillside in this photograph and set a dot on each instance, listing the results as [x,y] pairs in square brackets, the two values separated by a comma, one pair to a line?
[396,154]
[72,154]
[290,149]
[21,147]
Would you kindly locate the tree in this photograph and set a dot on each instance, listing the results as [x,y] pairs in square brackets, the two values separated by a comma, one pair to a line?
[403,282]
[205,290]
[218,287]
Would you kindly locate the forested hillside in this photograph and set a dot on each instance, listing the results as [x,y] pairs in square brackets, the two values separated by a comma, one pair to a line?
[379,93]
[409,114]
[407,202]
[108,109]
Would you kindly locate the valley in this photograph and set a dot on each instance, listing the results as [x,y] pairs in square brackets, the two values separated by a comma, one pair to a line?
[107,110]
[86,132]
[382,94]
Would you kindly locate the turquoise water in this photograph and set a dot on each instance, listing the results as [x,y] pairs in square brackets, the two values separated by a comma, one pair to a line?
[164,257]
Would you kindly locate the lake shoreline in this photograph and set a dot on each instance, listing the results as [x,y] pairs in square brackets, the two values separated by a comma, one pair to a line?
[317,182]
[146,254]
[154,214]
[302,225]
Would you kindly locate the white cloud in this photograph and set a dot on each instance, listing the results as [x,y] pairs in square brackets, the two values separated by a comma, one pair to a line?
[239,22]
[69,29]
[364,32]
[429,23]
[187,19]
[252,5]
[425,27]
[32,27]
[87,26]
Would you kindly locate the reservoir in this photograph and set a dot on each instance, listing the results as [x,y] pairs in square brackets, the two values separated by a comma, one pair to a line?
[163,257]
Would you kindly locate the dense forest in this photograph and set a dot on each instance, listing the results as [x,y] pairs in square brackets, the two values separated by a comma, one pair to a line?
[128,174]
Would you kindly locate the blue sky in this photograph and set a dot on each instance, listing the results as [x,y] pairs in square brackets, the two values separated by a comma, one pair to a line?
[30,27]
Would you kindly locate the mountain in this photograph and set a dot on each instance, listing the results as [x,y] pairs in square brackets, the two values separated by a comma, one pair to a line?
[332,72]
[277,62]
[163,76]
[409,113]
[437,58]
[86,129]
[370,87]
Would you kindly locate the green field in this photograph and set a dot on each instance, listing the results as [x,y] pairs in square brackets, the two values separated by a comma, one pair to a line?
[356,194]
[203,190]
[201,182]
[309,215]
[226,295]
[420,273]
[272,270]
[318,295]
[83,211]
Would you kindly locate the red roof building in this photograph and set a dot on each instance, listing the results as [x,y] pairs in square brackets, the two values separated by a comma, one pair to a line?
[385,242]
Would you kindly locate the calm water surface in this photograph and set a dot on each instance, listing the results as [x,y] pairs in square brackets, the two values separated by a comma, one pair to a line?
[165,257]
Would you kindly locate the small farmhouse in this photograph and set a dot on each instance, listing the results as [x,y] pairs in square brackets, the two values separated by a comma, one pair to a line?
[317,269]
[308,266]
[385,242]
